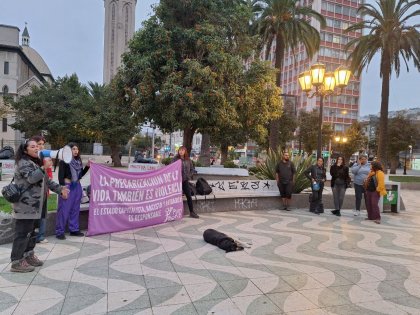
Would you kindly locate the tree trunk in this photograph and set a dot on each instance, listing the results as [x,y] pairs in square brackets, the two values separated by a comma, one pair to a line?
[205,150]
[273,138]
[383,121]
[115,155]
[224,153]
[188,137]
[394,165]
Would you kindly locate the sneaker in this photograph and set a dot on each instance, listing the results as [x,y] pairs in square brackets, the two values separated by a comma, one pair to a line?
[77,233]
[285,208]
[33,260]
[21,266]
[288,209]
[194,215]
[356,213]
[61,237]
[44,241]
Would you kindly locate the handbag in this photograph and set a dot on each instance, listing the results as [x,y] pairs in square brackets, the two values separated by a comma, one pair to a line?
[13,191]
[316,186]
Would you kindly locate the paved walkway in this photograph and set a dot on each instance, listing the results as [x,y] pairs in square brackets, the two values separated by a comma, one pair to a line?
[298,264]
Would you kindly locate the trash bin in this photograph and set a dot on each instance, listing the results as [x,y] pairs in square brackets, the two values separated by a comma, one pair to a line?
[391,201]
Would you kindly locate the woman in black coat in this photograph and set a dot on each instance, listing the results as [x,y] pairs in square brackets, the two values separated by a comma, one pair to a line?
[340,180]
[317,175]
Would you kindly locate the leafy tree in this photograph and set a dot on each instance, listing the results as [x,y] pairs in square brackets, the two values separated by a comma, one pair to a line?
[287,126]
[287,23]
[184,64]
[356,140]
[56,108]
[255,103]
[110,118]
[401,133]
[390,35]
[308,134]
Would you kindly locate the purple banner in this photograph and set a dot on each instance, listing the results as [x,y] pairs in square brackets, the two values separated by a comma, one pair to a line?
[121,200]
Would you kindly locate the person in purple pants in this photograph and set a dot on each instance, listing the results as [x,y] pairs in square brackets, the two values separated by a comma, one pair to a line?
[69,175]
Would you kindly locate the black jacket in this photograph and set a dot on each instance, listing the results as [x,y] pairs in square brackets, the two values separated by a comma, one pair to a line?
[339,172]
[65,173]
[311,172]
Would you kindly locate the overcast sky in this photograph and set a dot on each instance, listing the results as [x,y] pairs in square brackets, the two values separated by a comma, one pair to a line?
[69,36]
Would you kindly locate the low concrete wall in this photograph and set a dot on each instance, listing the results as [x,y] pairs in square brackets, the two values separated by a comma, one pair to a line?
[207,204]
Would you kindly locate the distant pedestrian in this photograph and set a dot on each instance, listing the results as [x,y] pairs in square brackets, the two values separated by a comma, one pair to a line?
[340,179]
[360,171]
[40,140]
[375,188]
[30,175]
[317,175]
[285,177]
[187,175]
[68,211]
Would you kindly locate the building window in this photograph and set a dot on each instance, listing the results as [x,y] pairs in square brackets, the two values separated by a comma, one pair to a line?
[5,90]
[4,128]
[6,67]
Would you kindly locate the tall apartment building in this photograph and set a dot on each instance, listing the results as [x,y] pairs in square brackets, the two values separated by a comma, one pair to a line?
[341,110]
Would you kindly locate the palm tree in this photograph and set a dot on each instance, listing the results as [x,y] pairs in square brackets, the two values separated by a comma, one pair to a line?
[288,24]
[388,34]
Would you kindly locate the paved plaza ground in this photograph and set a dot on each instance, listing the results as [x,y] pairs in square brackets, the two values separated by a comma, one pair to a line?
[298,263]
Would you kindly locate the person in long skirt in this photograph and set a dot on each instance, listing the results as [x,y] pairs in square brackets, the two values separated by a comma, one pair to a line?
[69,175]
[375,188]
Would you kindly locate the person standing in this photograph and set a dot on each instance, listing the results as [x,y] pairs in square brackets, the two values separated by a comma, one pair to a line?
[285,177]
[40,140]
[360,171]
[30,175]
[68,211]
[375,188]
[317,175]
[187,175]
[340,179]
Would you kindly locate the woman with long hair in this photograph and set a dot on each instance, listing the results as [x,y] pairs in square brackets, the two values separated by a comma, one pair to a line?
[187,175]
[340,179]
[30,175]
[69,175]
[375,188]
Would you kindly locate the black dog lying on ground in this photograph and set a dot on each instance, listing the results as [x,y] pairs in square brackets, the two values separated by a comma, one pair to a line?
[221,240]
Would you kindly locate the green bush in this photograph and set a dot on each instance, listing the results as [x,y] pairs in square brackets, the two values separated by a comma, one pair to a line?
[197,164]
[230,164]
[253,170]
[267,170]
[166,161]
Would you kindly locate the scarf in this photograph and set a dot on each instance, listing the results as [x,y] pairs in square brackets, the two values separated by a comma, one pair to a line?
[75,169]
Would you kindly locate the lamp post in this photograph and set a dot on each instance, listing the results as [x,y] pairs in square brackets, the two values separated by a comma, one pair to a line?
[324,84]
[405,159]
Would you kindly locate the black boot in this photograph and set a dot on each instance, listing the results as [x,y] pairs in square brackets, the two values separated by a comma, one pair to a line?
[194,215]
[336,212]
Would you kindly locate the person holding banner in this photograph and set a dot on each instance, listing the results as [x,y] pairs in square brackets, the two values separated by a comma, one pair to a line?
[187,175]
[69,175]
[30,175]
[40,140]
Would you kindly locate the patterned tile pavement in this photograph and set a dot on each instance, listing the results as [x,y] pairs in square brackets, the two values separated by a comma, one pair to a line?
[297,264]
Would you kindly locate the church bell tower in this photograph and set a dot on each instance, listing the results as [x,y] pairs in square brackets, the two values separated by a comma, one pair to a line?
[119,29]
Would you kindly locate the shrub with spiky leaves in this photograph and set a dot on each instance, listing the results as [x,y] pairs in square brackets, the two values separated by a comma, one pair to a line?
[267,170]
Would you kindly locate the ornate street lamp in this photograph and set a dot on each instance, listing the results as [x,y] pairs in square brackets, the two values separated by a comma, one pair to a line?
[325,84]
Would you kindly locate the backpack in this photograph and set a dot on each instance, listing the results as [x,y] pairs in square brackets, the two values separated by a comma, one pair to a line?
[193,190]
[203,187]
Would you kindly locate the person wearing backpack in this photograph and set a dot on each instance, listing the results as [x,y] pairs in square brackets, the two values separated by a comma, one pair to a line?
[375,188]
[187,175]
